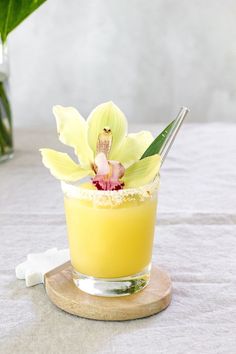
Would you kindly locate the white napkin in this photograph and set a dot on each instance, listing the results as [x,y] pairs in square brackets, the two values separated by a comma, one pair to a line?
[37,264]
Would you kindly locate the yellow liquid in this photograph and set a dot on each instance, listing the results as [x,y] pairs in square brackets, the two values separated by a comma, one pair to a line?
[108,242]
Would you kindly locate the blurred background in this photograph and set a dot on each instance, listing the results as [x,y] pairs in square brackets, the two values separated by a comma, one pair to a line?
[149,57]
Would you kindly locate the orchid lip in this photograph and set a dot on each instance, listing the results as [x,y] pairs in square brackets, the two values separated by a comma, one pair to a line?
[105,185]
[108,173]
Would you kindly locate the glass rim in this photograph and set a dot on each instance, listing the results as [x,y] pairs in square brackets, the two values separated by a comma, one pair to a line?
[74,191]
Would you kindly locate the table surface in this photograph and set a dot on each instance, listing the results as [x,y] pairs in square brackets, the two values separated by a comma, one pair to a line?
[195,241]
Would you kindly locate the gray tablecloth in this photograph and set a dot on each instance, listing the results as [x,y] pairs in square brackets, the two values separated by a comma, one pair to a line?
[195,241]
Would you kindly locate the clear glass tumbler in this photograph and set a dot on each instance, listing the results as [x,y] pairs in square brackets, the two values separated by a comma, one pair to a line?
[110,237]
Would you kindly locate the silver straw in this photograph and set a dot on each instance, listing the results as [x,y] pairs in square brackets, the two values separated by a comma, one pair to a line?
[169,141]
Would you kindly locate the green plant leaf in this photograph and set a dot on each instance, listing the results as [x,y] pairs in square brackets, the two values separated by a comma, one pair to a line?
[5,112]
[157,143]
[5,103]
[13,12]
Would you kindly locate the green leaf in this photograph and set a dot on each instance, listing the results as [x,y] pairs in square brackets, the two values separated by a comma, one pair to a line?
[13,12]
[5,103]
[157,144]
[5,112]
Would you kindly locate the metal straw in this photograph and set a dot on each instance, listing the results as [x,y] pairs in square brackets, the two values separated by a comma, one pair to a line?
[169,141]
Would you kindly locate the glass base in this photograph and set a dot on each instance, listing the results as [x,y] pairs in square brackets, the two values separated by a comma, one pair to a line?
[6,156]
[113,286]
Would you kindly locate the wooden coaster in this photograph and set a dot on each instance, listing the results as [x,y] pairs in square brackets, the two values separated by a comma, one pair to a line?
[64,294]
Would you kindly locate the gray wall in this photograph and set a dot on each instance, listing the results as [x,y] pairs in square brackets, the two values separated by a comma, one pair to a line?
[148,56]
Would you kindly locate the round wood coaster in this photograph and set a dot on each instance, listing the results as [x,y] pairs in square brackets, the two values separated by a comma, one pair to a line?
[64,294]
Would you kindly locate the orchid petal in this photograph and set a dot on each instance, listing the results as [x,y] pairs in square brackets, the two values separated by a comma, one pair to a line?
[72,129]
[142,172]
[107,115]
[62,166]
[133,147]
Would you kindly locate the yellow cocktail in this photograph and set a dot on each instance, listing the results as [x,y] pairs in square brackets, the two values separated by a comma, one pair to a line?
[110,237]
[111,218]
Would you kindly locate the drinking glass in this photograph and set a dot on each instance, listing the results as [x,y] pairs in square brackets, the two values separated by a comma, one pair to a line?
[110,237]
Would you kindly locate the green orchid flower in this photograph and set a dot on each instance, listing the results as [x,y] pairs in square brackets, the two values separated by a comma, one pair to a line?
[104,150]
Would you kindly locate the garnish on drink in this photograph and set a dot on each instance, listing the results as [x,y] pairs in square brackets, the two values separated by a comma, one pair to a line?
[104,150]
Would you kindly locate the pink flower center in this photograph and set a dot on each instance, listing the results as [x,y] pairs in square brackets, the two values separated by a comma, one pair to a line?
[108,172]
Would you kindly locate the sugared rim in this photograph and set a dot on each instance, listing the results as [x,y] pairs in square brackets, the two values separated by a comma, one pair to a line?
[109,197]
